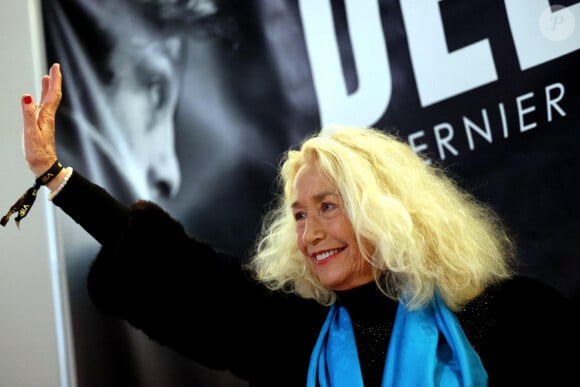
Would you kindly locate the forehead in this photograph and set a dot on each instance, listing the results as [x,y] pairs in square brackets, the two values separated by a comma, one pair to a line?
[310,184]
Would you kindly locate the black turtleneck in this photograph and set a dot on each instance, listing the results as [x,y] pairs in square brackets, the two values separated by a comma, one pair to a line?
[373,314]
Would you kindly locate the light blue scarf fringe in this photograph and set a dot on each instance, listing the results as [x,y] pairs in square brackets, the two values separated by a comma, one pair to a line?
[427,348]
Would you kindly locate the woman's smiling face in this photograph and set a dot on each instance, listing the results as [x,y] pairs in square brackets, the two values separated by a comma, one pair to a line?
[324,233]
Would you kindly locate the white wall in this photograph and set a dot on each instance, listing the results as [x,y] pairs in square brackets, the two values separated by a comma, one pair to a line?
[32,342]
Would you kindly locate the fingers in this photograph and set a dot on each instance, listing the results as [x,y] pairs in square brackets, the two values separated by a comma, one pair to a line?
[50,97]
[45,87]
[53,94]
[51,89]
[28,112]
[33,141]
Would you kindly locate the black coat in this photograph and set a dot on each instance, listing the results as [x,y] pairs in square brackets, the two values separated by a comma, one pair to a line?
[203,304]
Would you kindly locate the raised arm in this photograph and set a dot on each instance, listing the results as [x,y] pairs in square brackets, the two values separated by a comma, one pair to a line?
[39,145]
[88,204]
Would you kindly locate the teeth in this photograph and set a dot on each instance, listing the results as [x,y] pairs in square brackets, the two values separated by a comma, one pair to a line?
[326,254]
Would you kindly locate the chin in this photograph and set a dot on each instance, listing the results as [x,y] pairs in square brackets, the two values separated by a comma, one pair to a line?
[335,284]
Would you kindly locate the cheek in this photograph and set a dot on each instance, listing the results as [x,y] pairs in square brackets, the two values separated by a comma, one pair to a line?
[370,247]
[342,230]
[300,240]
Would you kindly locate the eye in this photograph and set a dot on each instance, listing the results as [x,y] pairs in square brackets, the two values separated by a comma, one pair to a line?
[326,206]
[299,216]
[154,84]
[329,209]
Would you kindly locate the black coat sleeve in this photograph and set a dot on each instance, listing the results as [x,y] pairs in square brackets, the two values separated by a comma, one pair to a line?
[184,294]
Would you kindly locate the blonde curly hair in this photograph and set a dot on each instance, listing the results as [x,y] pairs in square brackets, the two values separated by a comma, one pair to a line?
[429,235]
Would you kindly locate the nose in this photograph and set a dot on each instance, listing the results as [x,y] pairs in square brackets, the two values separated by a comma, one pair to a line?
[163,171]
[164,177]
[313,230]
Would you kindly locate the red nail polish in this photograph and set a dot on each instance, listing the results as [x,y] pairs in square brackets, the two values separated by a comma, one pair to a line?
[27,99]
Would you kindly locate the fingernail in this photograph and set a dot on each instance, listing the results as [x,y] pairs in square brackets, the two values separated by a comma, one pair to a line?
[27,99]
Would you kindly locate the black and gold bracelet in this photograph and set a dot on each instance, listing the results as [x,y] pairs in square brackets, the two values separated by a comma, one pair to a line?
[25,202]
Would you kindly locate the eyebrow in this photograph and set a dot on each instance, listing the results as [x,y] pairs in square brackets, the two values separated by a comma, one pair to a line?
[317,197]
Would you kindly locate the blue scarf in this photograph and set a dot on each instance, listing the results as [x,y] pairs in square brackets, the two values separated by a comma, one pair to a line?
[427,348]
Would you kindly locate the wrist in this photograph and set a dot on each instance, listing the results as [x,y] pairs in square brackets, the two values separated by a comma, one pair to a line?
[38,169]
[57,180]
[48,178]
[58,184]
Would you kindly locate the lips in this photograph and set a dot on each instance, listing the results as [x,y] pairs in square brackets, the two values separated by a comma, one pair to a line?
[325,256]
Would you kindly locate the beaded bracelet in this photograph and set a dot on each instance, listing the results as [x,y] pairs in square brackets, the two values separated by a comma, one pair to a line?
[69,172]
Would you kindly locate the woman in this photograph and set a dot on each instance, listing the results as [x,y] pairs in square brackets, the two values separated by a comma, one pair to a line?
[372,269]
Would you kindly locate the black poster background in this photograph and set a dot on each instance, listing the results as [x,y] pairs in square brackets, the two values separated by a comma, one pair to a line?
[192,106]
